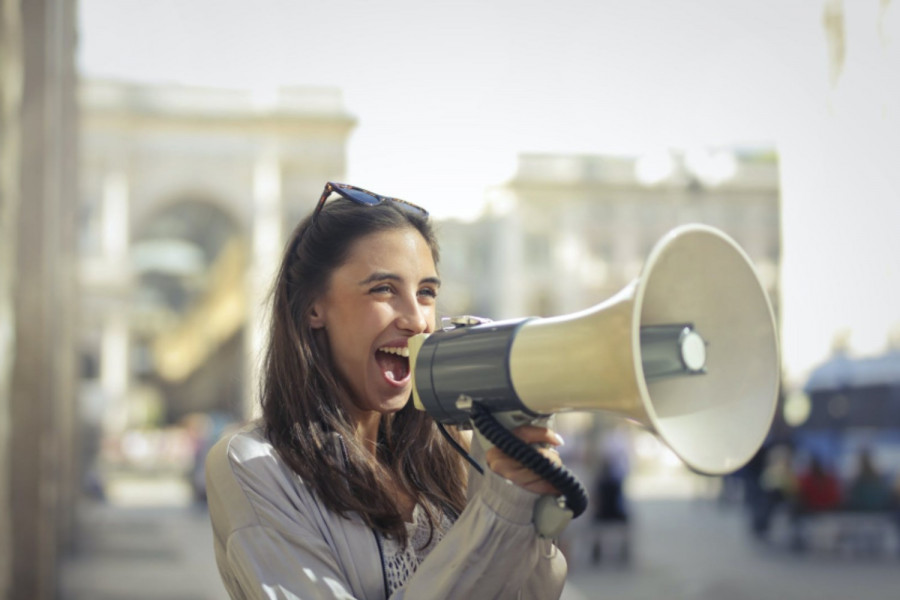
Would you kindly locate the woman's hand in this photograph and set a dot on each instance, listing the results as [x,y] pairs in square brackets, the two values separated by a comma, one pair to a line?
[513,470]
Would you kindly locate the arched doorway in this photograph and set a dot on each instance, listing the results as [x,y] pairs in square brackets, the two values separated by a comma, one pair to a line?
[188,315]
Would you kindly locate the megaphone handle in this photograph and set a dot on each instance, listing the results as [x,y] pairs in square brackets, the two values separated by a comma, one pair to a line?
[552,513]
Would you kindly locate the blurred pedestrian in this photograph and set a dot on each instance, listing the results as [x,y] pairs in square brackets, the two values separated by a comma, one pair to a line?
[777,488]
[610,512]
[609,504]
[869,489]
[818,491]
[818,488]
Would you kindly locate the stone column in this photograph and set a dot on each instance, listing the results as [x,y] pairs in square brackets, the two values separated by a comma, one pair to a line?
[264,259]
[39,447]
[115,237]
[10,154]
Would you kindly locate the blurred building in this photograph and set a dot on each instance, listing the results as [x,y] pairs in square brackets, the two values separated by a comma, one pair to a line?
[187,196]
[569,231]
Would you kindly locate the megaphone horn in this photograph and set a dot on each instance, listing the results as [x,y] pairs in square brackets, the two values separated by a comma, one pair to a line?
[688,350]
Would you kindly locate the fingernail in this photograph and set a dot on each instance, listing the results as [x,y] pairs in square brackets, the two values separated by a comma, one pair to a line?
[559,440]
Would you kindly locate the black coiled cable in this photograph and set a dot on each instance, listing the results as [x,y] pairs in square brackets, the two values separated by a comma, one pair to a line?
[559,476]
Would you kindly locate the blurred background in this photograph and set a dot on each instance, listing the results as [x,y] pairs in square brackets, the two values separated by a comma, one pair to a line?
[154,156]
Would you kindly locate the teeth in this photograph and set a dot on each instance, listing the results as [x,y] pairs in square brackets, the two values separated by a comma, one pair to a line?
[398,351]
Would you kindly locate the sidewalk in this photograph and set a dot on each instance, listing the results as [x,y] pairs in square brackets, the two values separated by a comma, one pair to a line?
[699,550]
[142,554]
[681,550]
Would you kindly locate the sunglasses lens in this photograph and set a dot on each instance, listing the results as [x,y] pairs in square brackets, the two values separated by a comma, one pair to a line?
[411,208]
[360,196]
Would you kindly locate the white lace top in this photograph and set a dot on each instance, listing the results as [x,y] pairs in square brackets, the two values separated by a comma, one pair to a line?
[401,562]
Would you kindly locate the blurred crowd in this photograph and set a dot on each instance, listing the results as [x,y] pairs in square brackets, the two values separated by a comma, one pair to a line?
[809,494]
[173,452]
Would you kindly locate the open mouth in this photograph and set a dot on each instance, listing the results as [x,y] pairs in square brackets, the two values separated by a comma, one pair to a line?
[394,363]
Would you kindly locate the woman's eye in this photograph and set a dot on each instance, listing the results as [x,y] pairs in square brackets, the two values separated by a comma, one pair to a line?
[428,293]
[381,289]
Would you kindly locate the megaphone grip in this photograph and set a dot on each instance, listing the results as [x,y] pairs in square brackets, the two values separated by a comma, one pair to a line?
[557,475]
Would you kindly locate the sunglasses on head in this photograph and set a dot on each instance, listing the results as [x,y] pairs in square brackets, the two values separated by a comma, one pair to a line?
[364,197]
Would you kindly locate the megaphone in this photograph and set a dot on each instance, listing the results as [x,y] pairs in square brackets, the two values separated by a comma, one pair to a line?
[688,350]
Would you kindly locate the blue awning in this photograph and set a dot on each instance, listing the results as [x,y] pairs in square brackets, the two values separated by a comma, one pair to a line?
[842,373]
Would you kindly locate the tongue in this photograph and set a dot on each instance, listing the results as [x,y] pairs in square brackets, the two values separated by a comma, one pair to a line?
[394,367]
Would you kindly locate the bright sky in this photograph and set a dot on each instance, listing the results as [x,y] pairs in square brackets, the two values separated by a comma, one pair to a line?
[448,93]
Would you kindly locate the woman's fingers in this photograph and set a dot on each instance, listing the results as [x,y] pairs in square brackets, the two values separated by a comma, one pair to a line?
[523,477]
[518,473]
[533,434]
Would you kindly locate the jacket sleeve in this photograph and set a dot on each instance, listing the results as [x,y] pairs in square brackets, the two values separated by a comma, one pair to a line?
[492,551]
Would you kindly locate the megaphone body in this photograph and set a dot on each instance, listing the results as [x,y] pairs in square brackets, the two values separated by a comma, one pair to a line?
[688,350]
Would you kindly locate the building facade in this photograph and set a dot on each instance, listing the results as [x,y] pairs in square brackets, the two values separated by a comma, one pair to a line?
[186,198]
[569,231]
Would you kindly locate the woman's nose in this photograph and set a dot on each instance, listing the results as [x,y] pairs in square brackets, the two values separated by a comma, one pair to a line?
[413,317]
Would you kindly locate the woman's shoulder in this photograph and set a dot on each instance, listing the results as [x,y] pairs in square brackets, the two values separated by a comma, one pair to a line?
[247,478]
[248,447]
[245,456]
[243,443]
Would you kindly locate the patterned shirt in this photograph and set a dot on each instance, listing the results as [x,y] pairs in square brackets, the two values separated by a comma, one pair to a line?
[400,562]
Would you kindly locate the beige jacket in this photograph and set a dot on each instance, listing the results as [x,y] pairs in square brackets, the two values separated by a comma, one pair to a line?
[274,539]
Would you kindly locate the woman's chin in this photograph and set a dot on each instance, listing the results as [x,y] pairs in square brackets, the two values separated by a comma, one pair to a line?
[400,401]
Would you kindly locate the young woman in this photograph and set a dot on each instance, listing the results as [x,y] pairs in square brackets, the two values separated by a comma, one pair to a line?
[343,489]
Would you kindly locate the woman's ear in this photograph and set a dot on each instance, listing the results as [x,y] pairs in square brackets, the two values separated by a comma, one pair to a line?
[316,317]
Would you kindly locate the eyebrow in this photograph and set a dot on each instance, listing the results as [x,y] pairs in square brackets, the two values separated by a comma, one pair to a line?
[384,276]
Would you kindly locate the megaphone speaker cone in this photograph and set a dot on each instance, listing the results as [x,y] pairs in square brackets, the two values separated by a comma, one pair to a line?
[597,359]
[717,421]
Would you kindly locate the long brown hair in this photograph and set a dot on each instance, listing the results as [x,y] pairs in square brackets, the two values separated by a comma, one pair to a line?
[304,417]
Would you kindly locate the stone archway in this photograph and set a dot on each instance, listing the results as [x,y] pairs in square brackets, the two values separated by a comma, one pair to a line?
[189,260]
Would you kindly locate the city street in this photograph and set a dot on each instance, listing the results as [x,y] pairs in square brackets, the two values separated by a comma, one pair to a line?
[682,549]
[127,553]
[698,550]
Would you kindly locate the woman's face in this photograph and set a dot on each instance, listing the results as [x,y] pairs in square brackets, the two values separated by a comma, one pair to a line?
[381,296]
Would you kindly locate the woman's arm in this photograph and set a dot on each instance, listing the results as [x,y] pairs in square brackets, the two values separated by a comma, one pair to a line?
[493,550]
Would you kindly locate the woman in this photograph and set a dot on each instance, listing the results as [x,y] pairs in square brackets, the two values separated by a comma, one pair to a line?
[343,489]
